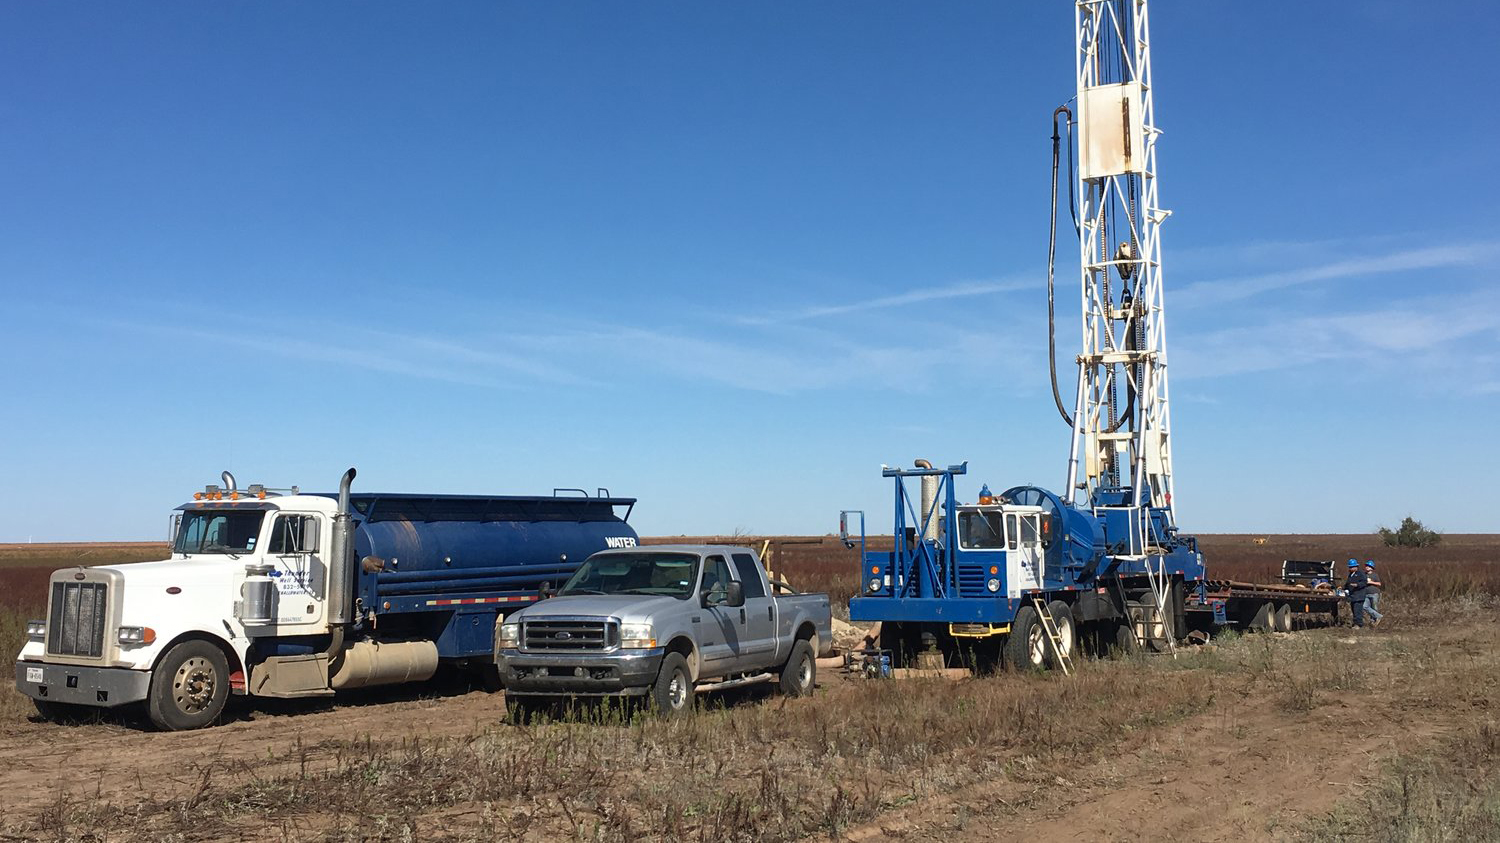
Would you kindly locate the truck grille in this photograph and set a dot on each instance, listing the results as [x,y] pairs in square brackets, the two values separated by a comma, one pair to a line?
[78,618]
[570,636]
[971,580]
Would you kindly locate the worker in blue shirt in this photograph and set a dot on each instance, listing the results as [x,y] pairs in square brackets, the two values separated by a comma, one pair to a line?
[1356,589]
[1372,593]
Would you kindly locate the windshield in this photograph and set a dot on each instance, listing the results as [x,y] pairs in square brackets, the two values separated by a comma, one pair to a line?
[981,530]
[668,574]
[218,531]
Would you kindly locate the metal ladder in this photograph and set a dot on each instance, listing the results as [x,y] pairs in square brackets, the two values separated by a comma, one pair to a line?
[1064,660]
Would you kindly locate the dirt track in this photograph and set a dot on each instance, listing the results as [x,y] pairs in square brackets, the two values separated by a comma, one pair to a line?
[1246,768]
[45,760]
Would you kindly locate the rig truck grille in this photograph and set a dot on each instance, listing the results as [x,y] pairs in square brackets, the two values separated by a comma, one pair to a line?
[78,618]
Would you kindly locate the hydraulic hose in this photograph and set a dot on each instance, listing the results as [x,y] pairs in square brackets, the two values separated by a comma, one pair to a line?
[1052,253]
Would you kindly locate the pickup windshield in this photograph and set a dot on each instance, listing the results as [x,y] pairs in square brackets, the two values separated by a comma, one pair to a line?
[667,574]
[218,531]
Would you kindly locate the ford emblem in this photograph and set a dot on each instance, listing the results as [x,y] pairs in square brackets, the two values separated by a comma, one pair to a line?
[78,576]
[563,636]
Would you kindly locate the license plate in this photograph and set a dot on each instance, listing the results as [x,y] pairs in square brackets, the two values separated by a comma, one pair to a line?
[34,674]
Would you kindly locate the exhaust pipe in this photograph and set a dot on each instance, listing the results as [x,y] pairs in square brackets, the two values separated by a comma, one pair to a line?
[929,501]
[341,558]
[229,485]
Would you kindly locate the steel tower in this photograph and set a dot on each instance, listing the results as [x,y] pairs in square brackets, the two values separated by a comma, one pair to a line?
[1121,452]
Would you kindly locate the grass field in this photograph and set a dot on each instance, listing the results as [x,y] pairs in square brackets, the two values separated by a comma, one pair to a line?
[930,760]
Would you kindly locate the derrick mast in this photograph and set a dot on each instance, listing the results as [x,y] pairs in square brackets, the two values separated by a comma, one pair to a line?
[1120,457]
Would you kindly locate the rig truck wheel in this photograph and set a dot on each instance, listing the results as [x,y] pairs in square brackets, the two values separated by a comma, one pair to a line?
[1026,645]
[1067,630]
[1125,641]
[800,673]
[673,695]
[189,687]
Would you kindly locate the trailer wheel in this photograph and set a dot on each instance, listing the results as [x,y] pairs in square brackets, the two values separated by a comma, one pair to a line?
[800,673]
[189,687]
[1067,630]
[672,695]
[1283,618]
[1026,645]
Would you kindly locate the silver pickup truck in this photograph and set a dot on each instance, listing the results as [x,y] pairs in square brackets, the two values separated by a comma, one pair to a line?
[661,622]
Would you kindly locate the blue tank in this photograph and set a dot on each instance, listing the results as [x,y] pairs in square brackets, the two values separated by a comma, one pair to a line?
[456,546]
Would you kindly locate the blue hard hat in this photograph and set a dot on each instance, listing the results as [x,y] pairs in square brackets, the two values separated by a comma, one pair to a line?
[1370,562]
[1354,563]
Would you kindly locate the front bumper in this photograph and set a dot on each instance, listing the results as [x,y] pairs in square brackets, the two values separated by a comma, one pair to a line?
[99,687]
[622,673]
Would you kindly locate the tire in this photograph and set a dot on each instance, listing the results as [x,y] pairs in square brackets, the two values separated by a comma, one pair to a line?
[1125,641]
[800,673]
[672,695]
[56,712]
[189,687]
[1284,618]
[1026,645]
[1067,630]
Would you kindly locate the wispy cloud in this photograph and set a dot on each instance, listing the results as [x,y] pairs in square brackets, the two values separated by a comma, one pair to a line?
[1206,293]
[1426,335]
[962,289]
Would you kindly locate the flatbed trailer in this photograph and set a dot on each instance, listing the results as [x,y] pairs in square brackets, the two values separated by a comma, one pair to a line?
[1263,607]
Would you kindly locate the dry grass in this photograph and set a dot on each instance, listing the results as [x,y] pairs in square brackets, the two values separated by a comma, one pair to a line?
[778,770]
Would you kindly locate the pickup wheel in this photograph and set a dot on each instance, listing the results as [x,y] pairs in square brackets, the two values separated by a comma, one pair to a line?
[800,673]
[189,687]
[672,695]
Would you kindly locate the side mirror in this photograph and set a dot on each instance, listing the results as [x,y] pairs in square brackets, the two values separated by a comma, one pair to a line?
[545,591]
[734,594]
[309,542]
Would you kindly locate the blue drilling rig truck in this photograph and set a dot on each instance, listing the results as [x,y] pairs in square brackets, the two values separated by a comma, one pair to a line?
[1028,575]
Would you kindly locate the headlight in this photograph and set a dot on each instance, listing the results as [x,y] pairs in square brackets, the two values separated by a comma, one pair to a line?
[36,630]
[510,636]
[873,585]
[137,635]
[637,636]
[993,584]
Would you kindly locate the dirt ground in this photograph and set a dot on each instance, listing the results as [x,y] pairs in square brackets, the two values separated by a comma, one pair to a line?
[1254,764]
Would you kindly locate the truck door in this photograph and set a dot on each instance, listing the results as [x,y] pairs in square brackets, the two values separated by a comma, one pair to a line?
[718,627]
[295,554]
[1022,556]
[758,613]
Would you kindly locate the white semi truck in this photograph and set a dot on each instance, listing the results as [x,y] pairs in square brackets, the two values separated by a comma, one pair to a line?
[287,594]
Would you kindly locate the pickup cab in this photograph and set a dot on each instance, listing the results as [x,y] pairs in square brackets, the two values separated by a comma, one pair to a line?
[661,622]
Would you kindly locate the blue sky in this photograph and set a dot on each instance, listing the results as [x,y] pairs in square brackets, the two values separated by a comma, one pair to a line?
[727,258]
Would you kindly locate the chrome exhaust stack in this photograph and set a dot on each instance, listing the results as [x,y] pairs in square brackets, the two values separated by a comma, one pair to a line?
[341,557]
[929,501]
[229,485]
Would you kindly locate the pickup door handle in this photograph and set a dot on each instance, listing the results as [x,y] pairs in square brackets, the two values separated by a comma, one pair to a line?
[742,617]
[770,614]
